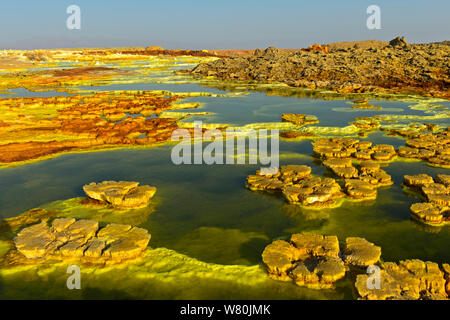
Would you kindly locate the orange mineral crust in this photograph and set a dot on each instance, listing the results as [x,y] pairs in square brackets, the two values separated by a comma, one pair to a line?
[31,128]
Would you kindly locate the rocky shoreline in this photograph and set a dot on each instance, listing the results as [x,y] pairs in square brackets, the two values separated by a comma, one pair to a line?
[397,67]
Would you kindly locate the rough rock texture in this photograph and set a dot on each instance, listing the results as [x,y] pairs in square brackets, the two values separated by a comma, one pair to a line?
[358,189]
[398,42]
[29,217]
[422,68]
[434,147]
[446,268]
[298,186]
[68,238]
[299,119]
[367,171]
[360,252]
[352,148]
[360,182]
[35,127]
[436,209]
[126,194]
[407,280]
[314,260]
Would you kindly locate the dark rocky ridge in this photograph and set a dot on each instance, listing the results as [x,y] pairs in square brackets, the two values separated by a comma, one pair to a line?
[397,67]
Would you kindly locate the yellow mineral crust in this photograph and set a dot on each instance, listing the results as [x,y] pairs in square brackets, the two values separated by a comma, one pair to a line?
[360,252]
[299,119]
[38,127]
[407,280]
[125,194]
[314,260]
[68,238]
[353,148]
[298,186]
[434,147]
[436,209]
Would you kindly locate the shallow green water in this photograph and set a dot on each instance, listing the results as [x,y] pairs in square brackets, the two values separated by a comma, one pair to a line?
[205,212]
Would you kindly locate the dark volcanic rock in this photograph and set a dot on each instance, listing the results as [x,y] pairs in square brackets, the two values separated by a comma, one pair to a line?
[420,68]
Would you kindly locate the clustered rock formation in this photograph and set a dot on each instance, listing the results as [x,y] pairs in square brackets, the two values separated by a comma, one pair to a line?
[121,194]
[298,186]
[359,182]
[353,148]
[68,238]
[366,124]
[421,68]
[299,119]
[364,104]
[317,261]
[407,280]
[434,147]
[436,209]
[42,126]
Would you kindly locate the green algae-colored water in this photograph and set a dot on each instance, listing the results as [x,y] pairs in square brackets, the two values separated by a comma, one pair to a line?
[215,228]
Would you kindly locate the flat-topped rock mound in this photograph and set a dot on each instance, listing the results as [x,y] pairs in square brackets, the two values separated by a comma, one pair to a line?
[360,182]
[68,238]
[407,280]
[433,147]
[436,192]
[122,194]
[299,119]
[316,261]
[298,186]
[353,148]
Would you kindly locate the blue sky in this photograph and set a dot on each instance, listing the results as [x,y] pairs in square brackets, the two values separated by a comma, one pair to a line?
[198,24]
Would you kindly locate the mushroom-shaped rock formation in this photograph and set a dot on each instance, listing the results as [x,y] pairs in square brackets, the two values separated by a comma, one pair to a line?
[308,259]
[358,189]
[299,119]
[314,260]
[417,180]
[360,252]
[443,179]
[314,192]
[298,186]
[122,194]
[407,280]
[352,148]
[70,238]
[446,268]
[368,171]
[436,209]
[433,147]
